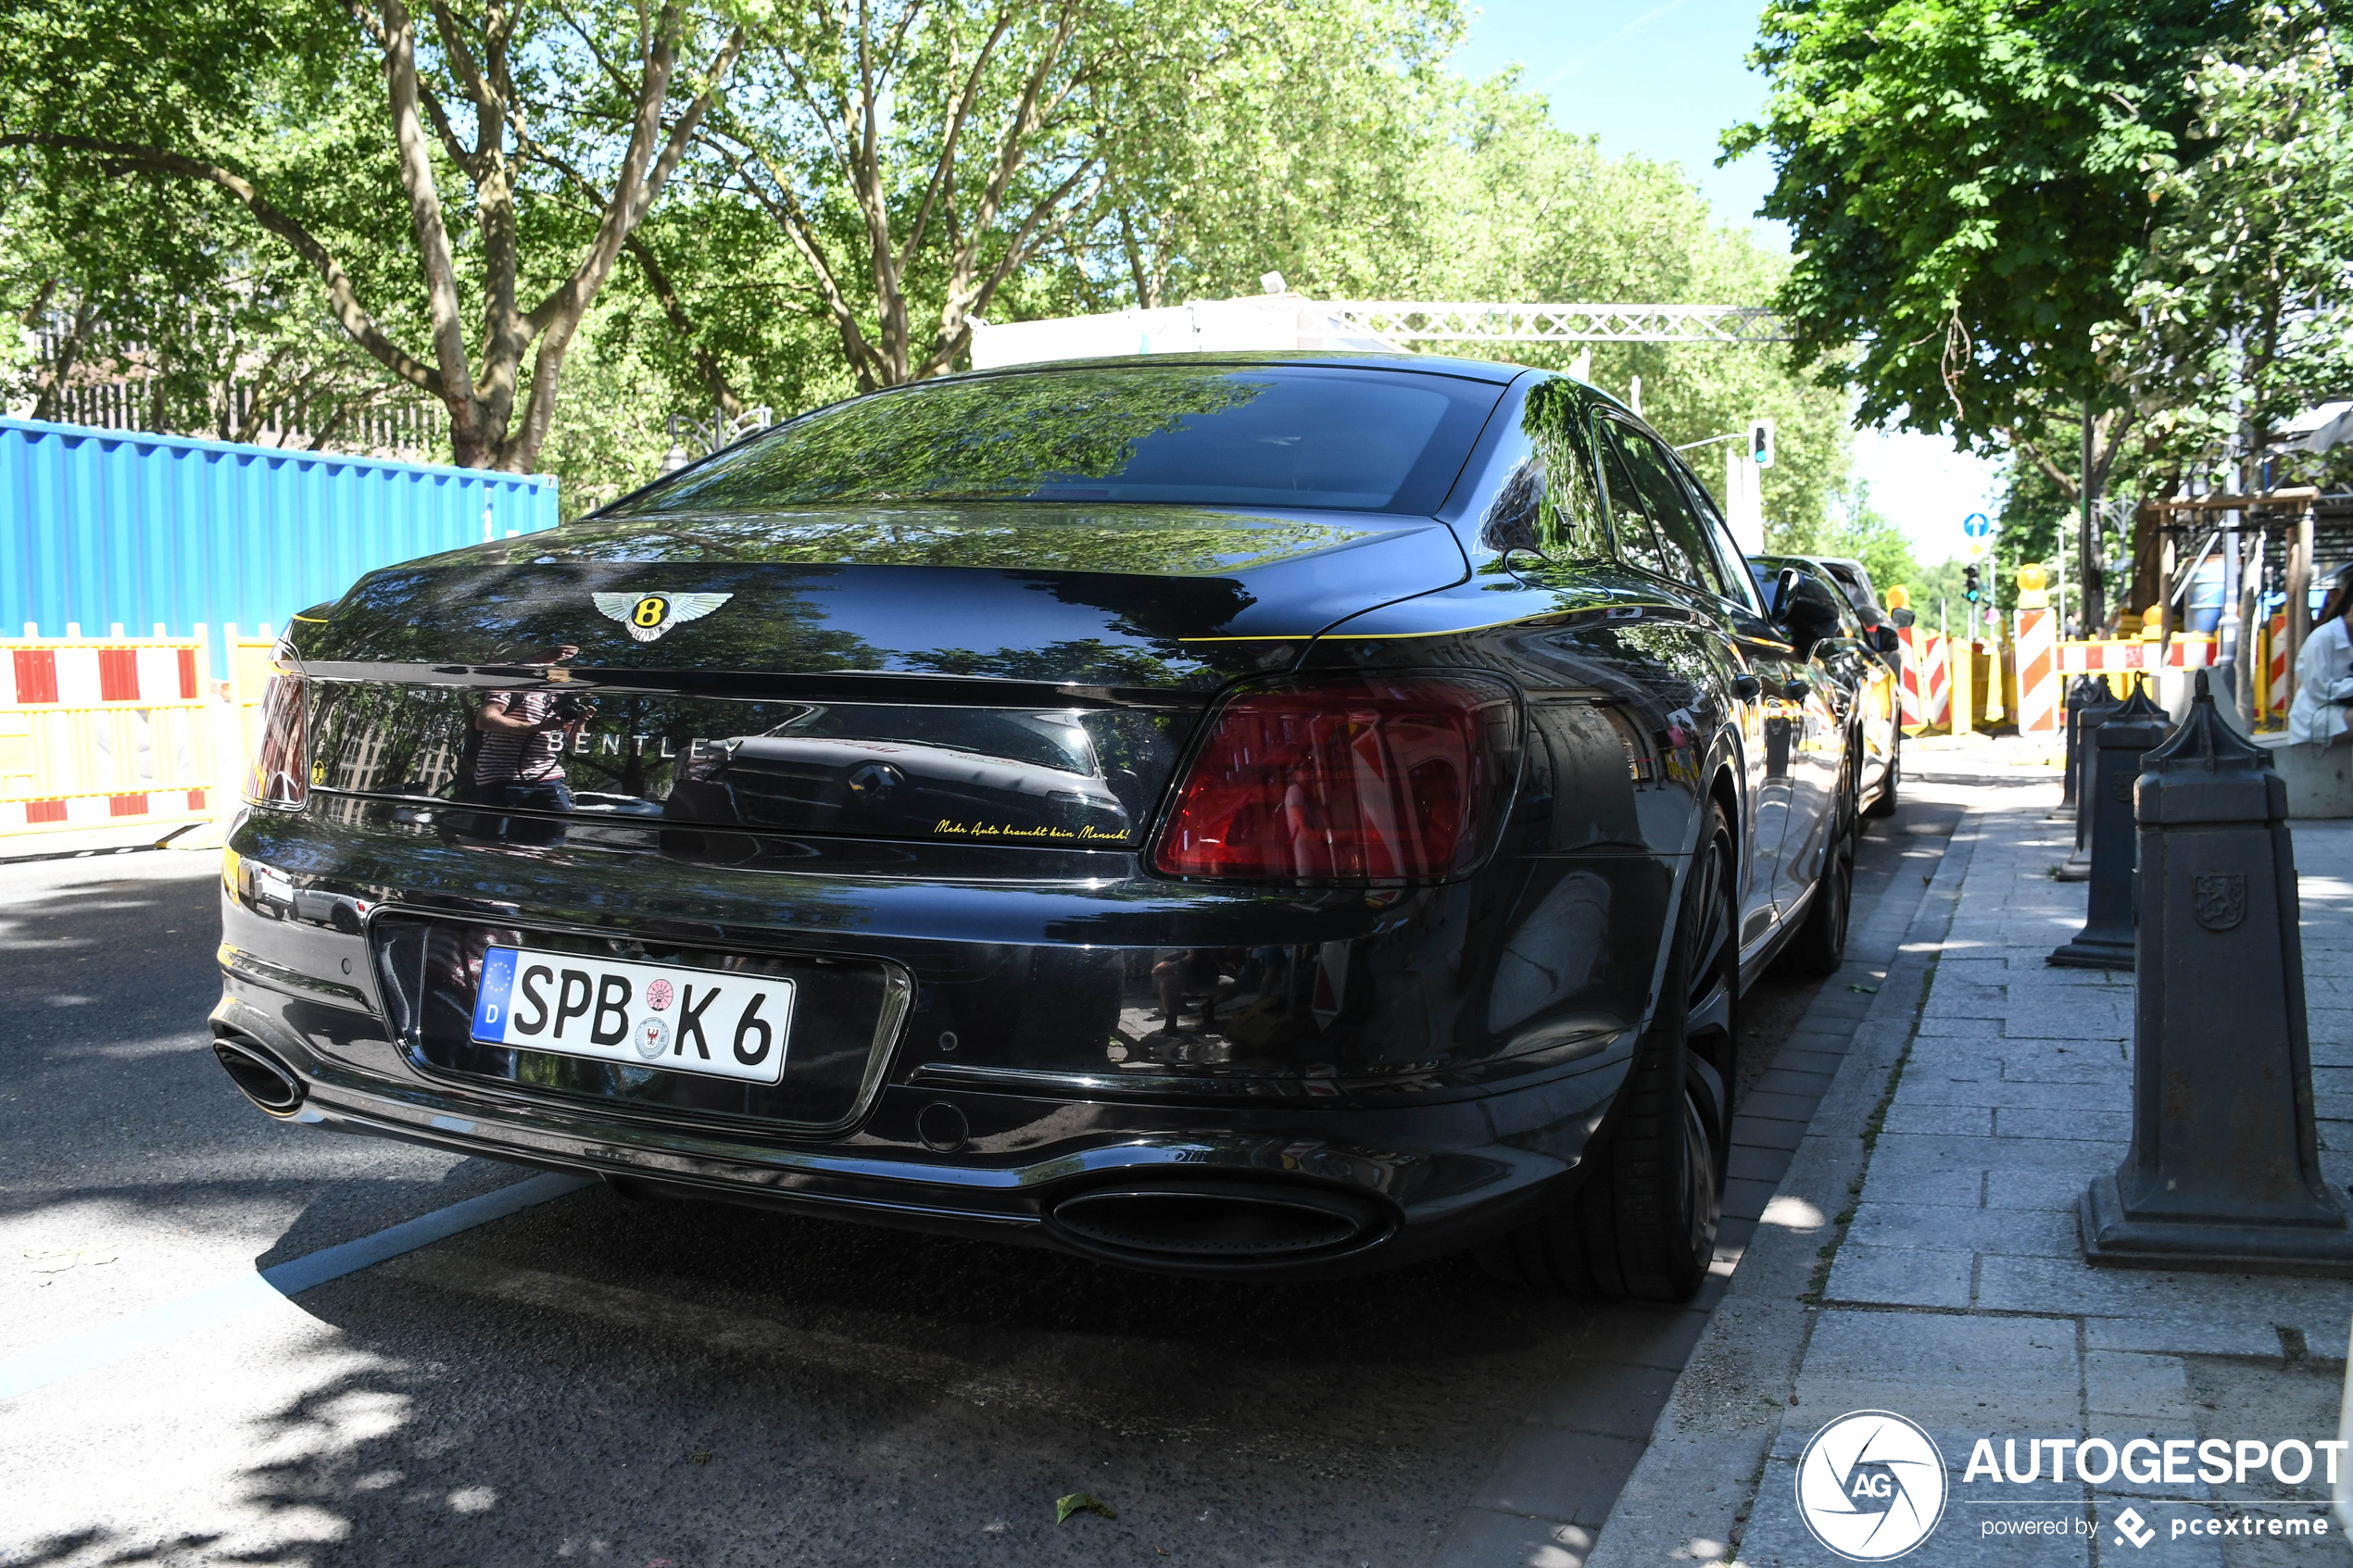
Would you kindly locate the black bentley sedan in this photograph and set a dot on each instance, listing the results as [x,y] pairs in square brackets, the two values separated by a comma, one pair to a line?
[1239,815]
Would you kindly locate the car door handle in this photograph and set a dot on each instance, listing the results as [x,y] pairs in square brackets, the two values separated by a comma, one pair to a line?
[1747,688]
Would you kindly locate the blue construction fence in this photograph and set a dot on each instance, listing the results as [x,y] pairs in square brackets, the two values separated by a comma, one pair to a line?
[100,527]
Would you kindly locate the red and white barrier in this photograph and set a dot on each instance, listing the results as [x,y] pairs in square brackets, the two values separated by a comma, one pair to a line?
[1926,686]
[91,733]
[2192,650]
[2040,690]
[2275,655]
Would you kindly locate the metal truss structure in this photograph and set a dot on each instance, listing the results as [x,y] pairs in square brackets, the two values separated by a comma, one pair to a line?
[1418,320]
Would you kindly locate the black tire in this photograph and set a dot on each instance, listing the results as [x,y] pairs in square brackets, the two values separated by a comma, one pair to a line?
[1886,804]
[1641,1225]
[1819,945]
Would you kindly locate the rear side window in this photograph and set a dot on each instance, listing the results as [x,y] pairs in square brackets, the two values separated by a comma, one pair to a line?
[1636,543]
[1248,435]
[1688,558]
[1550,500]
[1730,564]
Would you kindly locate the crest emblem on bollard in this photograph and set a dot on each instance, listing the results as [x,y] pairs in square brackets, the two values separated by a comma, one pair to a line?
[2220,900]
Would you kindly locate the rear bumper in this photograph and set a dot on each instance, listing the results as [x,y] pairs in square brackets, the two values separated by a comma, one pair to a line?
[1412,1072]
[1424,1181]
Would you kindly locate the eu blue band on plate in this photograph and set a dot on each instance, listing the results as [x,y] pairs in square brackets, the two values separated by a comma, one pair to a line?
[490,1006]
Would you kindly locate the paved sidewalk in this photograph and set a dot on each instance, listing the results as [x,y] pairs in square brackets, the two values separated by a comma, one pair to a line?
[1921,1254]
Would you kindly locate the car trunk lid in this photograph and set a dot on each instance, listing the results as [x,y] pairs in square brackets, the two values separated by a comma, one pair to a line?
[1005,673]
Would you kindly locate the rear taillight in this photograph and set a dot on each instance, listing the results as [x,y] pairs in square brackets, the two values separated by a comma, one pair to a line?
[281,773]
[1372,779]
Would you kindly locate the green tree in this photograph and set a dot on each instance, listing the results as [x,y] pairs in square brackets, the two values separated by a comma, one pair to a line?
[1305,151]
[336,133]
[2239,315]
[917,156]
[1858,531]
[1520,209]
[1966,180]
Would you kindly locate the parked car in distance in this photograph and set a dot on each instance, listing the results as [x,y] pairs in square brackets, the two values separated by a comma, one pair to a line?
[1247,816]
[1853,579]
[1861,656]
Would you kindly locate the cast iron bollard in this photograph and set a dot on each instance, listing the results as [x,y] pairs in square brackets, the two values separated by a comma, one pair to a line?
[2098,703]
[2224,1171]
[2114,762]
[2079,692]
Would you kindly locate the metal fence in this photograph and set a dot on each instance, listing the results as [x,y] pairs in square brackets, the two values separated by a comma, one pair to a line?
[100,528]
[273,417]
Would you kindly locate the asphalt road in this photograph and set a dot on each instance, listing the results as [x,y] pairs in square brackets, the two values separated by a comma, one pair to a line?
[656,1385]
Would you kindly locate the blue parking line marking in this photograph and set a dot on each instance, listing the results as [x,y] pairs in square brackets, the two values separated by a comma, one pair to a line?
[156,1325]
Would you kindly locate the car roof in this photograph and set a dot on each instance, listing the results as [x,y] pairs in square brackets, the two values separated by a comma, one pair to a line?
[1495,371]
[1838,568]
[1816,565]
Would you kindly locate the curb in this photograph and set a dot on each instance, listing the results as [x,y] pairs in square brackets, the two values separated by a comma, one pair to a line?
[1690,1494]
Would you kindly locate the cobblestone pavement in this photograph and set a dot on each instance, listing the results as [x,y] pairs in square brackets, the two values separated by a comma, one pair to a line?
[1921,1257]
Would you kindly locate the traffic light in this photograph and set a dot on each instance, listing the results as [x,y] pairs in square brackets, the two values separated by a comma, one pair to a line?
[1760,443]
[1972,588]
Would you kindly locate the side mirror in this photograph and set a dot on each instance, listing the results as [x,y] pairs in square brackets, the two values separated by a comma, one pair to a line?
[1884,637]
[1784,584]
[1902,617]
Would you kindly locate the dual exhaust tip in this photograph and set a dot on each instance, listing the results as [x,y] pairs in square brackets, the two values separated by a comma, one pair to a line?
[1233,1225]
[256,1069]
[1212,1224]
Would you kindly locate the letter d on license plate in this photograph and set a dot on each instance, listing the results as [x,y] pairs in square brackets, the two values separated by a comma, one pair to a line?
[704,1021]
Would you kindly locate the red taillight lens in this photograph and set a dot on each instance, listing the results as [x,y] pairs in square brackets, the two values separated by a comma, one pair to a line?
[1370,779]
[281,773]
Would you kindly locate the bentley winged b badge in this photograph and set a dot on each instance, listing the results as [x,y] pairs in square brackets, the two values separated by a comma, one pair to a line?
[648,616]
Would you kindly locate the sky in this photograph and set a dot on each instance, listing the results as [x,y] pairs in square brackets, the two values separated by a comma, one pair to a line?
[1664,78]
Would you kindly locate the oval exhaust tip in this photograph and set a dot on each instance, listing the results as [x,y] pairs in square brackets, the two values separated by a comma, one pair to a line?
[1228,1223]
[266,1080]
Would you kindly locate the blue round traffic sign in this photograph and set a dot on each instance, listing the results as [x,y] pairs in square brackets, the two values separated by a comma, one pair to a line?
[1977,525]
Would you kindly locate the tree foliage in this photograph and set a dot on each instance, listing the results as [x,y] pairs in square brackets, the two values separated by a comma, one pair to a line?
[1966,184]
[2241,309]
[1514,207]
[560,124]
[701,206]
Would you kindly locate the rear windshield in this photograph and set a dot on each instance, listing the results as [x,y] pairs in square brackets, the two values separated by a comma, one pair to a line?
[1190,435]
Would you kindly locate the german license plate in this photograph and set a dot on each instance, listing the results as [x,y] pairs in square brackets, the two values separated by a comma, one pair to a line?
[642,1014]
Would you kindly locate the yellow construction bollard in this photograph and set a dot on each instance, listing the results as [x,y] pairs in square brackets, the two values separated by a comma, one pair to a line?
[1961,656]
[1995,711]
[2262,674]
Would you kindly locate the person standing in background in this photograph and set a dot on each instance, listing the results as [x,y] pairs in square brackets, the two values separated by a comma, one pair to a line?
[2324,671]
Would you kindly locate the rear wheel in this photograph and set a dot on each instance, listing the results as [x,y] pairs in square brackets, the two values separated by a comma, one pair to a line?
[1819,945]
[1886,804]
[1642,1224]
